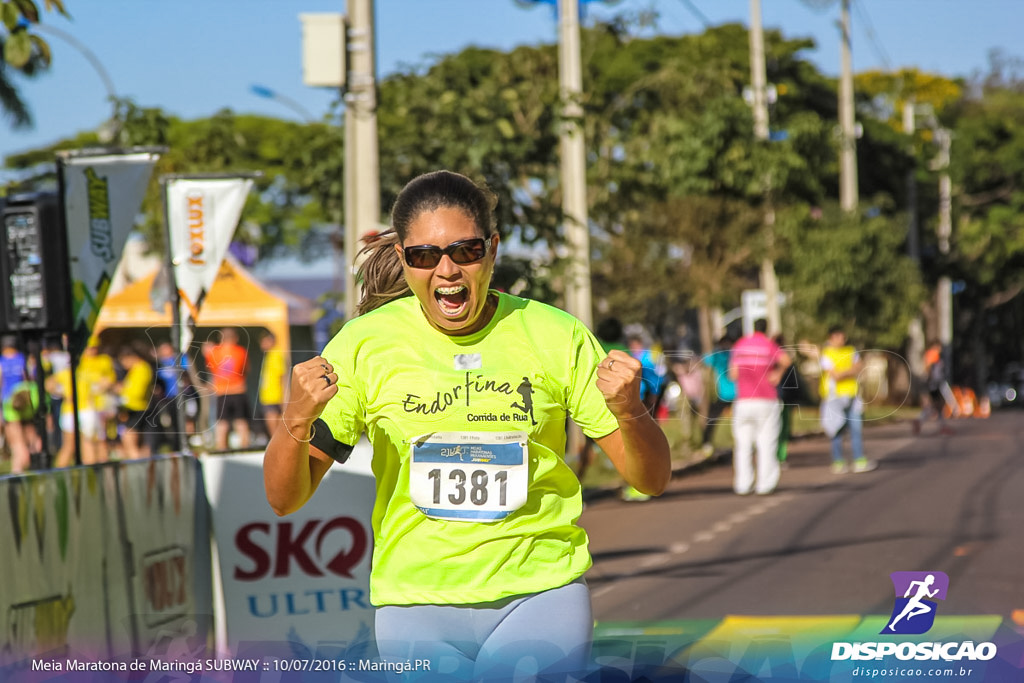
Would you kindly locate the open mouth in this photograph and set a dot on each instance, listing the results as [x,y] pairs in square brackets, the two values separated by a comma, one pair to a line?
[452,300]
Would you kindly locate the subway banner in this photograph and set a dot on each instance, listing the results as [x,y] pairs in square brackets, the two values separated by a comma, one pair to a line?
[202,214]
[103,564]
[295,586]
[102,197]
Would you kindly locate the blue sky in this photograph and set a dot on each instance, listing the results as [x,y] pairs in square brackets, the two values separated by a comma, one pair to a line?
[194,57]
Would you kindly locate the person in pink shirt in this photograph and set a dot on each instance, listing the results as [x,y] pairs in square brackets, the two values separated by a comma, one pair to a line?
[756,364]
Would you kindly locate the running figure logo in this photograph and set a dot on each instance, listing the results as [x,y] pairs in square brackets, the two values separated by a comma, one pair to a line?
[526,391]
[914,612]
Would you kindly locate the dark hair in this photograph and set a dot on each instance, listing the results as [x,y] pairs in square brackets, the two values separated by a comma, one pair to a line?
[761,325]
[21,400]
[381,271]
[835,329]
[609,330]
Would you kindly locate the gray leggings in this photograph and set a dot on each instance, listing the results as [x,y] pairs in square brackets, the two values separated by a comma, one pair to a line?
[548,632]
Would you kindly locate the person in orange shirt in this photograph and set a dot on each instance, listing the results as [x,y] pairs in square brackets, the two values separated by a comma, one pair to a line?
[937,383]
[227,363]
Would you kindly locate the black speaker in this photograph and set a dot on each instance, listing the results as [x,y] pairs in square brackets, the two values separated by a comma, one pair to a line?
[34,270]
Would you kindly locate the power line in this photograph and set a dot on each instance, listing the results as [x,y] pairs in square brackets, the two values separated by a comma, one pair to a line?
[819,6]
[697,13]
[869,29]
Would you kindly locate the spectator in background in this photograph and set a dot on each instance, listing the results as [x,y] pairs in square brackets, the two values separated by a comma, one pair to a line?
[227,363]
[842,410]
[937,383]
[652,383]
[95,377]
[723,390]
[652,374]
[273,378]
[790,394]
[135,391]
[12,376]
[756,364]
[609,335]
[179,398]
[689,374]
[55,359]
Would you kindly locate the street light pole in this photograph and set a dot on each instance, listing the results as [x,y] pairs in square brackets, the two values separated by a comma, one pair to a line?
[848,137]
[362,164]
[945,231]
[759,86]
[270,94]
[110,128]
[574,169]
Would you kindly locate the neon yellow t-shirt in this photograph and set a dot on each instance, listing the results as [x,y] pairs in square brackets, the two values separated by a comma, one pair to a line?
[840,359]
[400,379]
[137,387]
[272,378]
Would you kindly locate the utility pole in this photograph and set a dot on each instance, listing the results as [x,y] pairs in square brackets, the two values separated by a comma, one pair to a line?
[362,163]
[915,331]
[848,136]
[944,294]
[574,169]
[759,86]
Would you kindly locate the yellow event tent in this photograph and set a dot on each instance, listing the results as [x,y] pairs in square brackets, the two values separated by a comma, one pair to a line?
[236,299]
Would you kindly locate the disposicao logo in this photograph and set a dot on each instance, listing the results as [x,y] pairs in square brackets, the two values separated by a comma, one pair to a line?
[915,607]
[913,613]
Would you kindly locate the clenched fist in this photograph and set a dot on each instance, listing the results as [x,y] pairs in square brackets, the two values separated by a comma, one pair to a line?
[313,384]
[618,380]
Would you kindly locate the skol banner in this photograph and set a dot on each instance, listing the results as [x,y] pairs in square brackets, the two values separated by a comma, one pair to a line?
[102,196]
[202,214]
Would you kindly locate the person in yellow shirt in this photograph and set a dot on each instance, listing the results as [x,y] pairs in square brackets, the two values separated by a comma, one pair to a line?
[135,390]
[842,410]
[95,377]
[273,376]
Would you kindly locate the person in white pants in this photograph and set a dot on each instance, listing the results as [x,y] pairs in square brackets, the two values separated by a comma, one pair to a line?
[756,364]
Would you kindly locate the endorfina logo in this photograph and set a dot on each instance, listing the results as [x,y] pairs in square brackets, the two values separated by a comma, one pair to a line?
[913,614]
[915,607]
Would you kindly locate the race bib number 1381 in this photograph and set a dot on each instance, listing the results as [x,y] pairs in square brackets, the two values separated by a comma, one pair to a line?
[469,476]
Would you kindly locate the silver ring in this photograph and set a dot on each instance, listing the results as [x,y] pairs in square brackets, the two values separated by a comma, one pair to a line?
[327,379]
[324,366]
[610,364]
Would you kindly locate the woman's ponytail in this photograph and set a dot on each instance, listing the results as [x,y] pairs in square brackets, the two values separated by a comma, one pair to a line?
[380,273]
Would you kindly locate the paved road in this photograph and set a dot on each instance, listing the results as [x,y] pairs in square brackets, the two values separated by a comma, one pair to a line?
[824,544]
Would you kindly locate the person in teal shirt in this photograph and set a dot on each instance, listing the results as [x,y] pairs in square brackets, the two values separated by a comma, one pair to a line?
[723,391]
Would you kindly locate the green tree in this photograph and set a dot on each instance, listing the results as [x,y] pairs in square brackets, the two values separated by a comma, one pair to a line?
[24,53]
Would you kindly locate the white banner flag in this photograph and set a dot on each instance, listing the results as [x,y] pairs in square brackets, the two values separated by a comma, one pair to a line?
[102,197]
[202,214]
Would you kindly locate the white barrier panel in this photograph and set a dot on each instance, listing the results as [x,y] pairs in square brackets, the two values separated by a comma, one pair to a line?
[298,583]
[102,562]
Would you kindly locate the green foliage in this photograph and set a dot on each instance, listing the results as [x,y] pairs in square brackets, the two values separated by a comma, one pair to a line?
[988,169]
[850,270]
[678,186]
[23,52]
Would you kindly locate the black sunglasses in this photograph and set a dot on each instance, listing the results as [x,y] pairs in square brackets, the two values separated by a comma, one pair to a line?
[461,252]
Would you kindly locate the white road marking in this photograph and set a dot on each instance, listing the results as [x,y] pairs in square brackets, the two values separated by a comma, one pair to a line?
[705,536]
